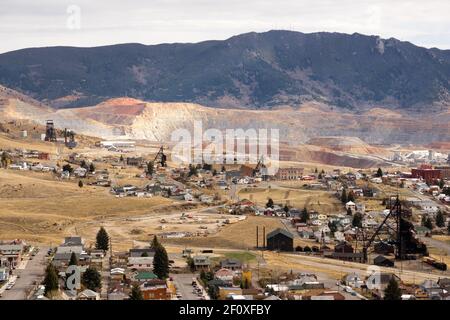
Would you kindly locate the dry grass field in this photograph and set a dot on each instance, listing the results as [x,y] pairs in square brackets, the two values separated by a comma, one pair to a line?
[37,208]
[320,201]
[240,235]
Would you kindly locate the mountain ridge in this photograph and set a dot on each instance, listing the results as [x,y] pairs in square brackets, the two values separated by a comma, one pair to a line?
[249,71]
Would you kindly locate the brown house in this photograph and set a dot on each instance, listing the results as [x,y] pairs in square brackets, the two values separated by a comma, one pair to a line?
[155,289]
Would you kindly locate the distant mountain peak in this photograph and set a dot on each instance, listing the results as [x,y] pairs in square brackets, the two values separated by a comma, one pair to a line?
[251,70]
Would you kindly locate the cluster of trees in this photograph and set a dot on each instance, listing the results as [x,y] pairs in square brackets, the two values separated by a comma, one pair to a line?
[439,221]
[90,167]
[347,197]
[91,278]
[392,291]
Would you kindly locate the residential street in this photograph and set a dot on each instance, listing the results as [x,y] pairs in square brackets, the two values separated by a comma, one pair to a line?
[183,282]
[28,272]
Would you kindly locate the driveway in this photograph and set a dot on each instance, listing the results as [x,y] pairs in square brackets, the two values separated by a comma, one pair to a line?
[28,272]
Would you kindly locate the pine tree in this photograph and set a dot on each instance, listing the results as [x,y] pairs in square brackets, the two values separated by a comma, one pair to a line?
[351,196]
[349,211]
[68,168]
[357,220]
[304,215]
[80,184]
[150,168]
[91,279]
[155,243]
[286,209]
[344,196]
[424,219]
[440,221]
[379,173]
[392,291]
[73,259]
[428,224]
[91,167]
[136,293]
[441,184]
[102,240]
[269,203]
[50,280]
[161,262]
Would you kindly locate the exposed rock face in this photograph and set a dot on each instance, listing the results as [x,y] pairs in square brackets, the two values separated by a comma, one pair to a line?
[246,71]
[340,128]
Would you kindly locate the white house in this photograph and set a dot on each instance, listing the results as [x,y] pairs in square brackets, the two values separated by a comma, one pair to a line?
[350,205]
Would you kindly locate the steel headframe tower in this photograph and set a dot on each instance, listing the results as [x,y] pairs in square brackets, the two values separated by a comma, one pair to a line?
[161,158]
[50,132]
[396,213]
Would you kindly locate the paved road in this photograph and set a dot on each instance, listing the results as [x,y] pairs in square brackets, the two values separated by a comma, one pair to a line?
[33,270]
[183,282]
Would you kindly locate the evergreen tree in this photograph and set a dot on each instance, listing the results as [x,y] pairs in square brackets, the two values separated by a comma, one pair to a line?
[423,220]
[161,262]
[91,167]
[344,196]
[214,173]
[286,209]
[192,170]
[379,173]
[428,224]
[223,169]
[351,196]
[155,243]
[84,164]
[304,215]
[213,292]
[121,158]
[102,240]
[392,291]
[150,168]
[269,203]
[91,279]
[50,280]
[441,184]
[448,228]
[136,293]
[73,259]
[440,221]
[68,168]
[333,226]
[80,184]
[357,220]
[349,211]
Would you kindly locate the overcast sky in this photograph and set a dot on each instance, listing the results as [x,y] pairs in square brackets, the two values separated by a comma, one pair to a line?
[37,23]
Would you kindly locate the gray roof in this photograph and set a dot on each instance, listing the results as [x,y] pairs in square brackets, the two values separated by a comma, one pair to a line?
[282,231]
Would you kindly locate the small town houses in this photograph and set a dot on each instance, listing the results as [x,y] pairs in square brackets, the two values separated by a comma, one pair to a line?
[11,253]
